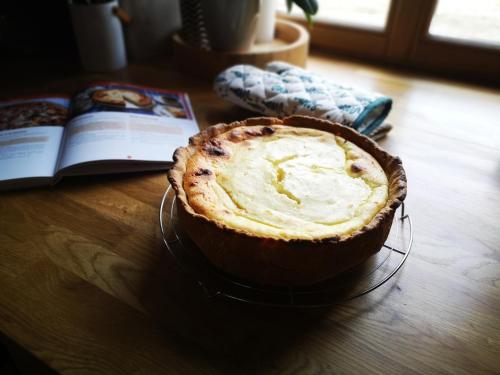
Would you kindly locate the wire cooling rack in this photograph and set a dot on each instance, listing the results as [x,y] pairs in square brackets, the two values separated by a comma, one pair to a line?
[357,282]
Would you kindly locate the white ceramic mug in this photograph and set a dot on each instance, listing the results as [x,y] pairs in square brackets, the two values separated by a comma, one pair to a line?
[99,36]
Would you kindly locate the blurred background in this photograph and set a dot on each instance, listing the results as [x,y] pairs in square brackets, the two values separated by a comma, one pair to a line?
[455,38]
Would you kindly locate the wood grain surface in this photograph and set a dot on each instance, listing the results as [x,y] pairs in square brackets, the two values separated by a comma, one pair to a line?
[87,286]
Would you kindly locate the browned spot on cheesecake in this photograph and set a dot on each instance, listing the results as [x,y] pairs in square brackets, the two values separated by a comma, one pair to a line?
[215,142]
[203,172]
[267,130]
[214,148]
[259,132]
[356,168]
[238,135]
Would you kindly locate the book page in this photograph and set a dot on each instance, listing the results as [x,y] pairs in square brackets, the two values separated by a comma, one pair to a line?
[118,122]
[31,131]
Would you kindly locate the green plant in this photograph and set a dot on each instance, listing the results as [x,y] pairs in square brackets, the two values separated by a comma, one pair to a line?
[309,7]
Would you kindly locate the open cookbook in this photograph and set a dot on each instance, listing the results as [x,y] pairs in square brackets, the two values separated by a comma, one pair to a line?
[103,128]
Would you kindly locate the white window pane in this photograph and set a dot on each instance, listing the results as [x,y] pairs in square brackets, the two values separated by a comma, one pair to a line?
[477,21]
[359,13]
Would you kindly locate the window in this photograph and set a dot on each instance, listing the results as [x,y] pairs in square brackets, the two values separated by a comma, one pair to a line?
[371,14]
[459,37]
[467,21]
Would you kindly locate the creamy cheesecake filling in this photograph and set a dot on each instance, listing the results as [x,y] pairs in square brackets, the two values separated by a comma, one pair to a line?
[295,183]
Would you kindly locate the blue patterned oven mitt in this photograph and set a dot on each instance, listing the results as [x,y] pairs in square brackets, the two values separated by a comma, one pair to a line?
[283,89]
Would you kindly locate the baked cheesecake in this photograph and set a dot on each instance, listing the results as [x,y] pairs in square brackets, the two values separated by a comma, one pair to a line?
[286,202]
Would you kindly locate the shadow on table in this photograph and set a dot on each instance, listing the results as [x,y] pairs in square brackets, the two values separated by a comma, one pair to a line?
[15,360]
[247,336]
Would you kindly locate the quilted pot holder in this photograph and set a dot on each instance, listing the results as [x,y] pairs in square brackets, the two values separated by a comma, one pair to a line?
[283,89]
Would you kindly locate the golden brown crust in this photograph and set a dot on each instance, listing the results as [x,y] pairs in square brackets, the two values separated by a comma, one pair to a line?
[279,261]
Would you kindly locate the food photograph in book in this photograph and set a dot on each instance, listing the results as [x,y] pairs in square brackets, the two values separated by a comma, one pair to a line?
[30,112]
[130,99]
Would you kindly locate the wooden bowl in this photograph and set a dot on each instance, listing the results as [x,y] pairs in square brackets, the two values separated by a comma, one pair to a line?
[291,44]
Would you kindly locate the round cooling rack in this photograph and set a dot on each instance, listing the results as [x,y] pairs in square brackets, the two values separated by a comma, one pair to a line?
[356,282]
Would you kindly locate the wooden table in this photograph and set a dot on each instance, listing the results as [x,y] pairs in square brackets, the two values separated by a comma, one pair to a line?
[87,286]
